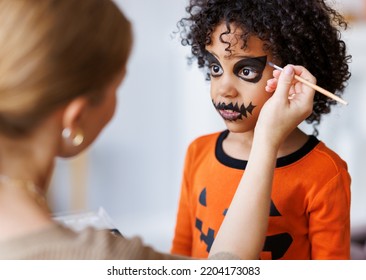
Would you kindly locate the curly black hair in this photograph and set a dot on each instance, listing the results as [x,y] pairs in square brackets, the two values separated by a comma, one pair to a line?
[304,33]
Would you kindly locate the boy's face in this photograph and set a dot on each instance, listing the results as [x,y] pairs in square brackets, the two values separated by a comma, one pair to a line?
[238,79]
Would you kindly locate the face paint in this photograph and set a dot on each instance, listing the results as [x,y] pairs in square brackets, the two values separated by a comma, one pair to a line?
[250,69]
[237,77]
[232,112]
[214,65]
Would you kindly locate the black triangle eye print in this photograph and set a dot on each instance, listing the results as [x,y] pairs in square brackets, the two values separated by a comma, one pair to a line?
[202,198]
[273,210]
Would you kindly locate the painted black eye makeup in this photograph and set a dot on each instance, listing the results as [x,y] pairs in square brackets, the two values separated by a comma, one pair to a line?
[250,69]
[214,66]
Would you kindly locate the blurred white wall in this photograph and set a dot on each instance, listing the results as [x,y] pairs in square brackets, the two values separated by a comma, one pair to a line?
[344,129]
[134,169]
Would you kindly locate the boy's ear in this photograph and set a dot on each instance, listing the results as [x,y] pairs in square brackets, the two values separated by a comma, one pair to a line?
[74,111]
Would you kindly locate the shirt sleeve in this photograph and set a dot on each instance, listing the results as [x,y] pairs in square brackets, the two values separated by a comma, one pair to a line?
[102,244]
[135,249]
[329,219]
[182,241]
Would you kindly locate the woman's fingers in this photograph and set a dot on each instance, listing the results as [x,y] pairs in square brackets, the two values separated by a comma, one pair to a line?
[285,81]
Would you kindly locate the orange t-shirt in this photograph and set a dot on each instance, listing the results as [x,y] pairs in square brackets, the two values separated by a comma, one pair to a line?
[310,207]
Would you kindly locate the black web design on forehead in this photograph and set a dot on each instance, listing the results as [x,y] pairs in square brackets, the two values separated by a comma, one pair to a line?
[235,107]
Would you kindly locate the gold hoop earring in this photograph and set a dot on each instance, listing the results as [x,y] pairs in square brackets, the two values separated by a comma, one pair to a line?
[77,139]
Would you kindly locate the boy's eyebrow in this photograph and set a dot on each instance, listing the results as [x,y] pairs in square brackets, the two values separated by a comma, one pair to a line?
[212,58]
[247,56]
[235,56]
[212,55]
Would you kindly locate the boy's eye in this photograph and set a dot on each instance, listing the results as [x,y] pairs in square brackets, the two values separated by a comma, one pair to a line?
[215,70]
[248,73]
[250,69]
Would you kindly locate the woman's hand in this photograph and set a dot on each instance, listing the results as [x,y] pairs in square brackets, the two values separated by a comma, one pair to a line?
[291,103]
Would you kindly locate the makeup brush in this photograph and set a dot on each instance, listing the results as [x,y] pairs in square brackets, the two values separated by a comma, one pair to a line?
[317,88]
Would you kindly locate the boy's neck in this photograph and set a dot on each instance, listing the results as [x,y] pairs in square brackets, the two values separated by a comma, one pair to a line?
[238,145]
[293,142]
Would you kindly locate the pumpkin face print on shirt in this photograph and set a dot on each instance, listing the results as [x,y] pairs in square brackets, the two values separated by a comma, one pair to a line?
[275,246]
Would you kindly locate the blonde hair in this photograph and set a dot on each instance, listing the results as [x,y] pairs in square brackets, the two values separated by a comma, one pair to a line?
[52,51]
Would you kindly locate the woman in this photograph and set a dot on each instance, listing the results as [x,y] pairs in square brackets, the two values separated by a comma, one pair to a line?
[61,63]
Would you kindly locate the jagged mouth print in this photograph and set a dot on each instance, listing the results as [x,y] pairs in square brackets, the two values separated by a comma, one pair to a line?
[232,112]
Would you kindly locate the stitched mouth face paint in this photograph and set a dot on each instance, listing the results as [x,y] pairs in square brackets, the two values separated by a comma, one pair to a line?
[233,112]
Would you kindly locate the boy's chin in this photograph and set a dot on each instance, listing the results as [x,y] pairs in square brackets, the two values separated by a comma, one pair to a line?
[236,127]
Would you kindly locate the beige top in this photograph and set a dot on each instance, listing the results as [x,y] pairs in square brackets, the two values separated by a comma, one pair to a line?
[60,243]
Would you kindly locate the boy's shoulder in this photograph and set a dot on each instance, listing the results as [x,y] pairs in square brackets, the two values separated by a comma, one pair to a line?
[206,139]
[327,156]
[314,155]
[204,144]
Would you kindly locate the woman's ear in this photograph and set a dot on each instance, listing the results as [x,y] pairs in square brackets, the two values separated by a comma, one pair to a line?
[74,112]
[72,127]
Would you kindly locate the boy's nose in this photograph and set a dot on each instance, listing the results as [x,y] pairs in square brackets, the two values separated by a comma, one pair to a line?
[226,87]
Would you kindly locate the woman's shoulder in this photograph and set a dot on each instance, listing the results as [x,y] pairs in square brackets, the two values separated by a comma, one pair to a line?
[106,244]
[37,244]
[60,242]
